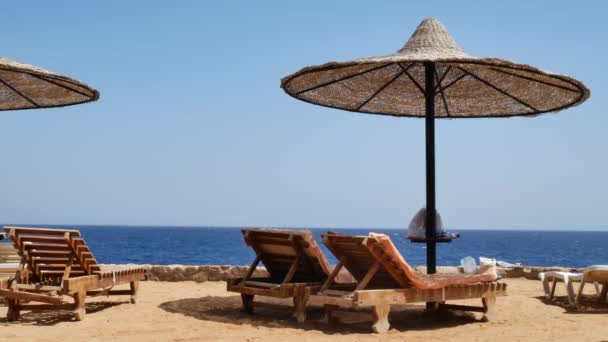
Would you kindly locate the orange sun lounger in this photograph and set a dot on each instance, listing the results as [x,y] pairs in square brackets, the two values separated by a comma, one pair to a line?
[384,278]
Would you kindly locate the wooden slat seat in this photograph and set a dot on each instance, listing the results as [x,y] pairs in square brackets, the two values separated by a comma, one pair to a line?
[295,263]
[56,264]
[384,278]
[47,247]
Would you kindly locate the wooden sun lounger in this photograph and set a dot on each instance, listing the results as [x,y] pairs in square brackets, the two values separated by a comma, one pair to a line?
[384,279]
[56,264]
[597,274]
[296,267]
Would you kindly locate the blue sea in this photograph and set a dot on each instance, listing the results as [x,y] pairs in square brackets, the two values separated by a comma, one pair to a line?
[225,246]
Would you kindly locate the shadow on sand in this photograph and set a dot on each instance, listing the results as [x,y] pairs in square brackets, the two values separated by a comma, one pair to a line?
[228,310]
[588,304]
[46,318]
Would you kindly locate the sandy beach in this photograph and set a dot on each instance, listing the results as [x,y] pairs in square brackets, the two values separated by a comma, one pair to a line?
[188,311]
[334,155]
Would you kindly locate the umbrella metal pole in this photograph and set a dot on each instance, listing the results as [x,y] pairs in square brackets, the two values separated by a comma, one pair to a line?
[429,71]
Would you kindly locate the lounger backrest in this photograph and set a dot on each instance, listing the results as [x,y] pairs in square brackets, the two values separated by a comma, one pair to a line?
[597,273]
[279,248]
[358,259]
[47,252]
[383,250]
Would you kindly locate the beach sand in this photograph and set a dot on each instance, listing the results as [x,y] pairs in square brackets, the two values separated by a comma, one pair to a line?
[188,311]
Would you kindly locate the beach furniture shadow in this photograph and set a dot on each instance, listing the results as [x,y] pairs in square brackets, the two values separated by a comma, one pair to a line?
[586,304]
[58,271]
[48,318]
[385,279]
[228,310]
[295,264]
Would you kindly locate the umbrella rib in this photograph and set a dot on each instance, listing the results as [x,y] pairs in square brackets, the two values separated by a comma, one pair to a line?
[443,77]
[342,79]
[498,89]
[535,80]
[453,82]
[19,93]
[445,103]
[61,85]
[412,78]
[380,90]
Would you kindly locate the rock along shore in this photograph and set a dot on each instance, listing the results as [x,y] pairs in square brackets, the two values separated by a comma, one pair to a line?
[205,273]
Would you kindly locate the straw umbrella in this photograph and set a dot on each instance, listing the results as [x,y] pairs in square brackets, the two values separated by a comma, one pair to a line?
[24,86]
[431,77]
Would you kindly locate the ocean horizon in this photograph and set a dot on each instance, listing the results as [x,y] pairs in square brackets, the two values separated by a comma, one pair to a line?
[490,228]
[199,245]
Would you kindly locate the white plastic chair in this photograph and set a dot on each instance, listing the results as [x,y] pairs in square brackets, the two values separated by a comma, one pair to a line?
[597,274]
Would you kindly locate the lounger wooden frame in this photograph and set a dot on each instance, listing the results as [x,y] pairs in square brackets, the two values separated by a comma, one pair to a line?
[382,284]
[56,264]
[293,271]
[597,277]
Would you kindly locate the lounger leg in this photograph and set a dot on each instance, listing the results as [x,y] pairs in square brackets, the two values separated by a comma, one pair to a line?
[13,310]
[329,313]
[247,300]
[604,293]
[380,314]
[489,306]
[299,304]
[553,288]
[79,309]
[134,288]
[580,292]
[570,290]
[597,288]
[546,286]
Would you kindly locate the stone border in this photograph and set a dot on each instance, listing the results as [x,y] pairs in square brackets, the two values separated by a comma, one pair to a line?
[205,273]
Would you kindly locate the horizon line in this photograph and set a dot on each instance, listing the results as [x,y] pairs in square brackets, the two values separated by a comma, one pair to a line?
[455,230]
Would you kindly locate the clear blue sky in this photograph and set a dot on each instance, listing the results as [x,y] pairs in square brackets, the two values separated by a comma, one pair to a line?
[193,129]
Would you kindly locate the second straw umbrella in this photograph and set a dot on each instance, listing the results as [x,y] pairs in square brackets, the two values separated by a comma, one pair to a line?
[431,77]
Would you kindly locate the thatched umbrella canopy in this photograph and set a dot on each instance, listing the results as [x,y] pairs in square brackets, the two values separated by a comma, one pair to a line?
[24,86]
[432,77]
